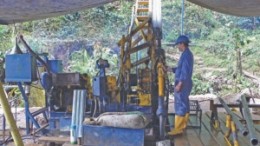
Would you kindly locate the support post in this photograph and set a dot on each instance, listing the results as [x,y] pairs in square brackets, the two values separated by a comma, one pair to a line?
[9,118]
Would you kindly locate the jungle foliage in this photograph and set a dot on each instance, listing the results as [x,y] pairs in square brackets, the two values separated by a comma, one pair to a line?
[83,37]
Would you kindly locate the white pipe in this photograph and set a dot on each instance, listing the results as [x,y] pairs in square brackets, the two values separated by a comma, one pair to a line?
[77,112]
[73,138]
[82,111]
[157,14]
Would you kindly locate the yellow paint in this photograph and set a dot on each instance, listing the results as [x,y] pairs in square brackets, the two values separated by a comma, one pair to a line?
[227,141]
[231,128]
[236,143]
[234,131]
[228,121]
[216,124]
[88,85]
[142,31]
[111,83]
[145,99]
[9,118]
[160,80]
[228,125]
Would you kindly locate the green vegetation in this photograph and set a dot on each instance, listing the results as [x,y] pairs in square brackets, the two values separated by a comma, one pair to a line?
[217,39]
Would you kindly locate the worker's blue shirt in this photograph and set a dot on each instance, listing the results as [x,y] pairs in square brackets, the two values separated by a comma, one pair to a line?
[183,73]
[184,69]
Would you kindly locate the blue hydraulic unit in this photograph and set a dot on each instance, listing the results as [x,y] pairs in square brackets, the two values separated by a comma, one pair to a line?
[101,88]
[22,69]
[99,82]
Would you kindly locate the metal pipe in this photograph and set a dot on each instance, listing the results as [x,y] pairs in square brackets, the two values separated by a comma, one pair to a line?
[78,112]
[73,138]
[182,17]
[82,111]
[234,118]
[9,118]
[249,121]
[234,105]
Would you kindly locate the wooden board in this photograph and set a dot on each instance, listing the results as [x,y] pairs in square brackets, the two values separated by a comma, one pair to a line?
[57,140]
[202,133]
[68,144]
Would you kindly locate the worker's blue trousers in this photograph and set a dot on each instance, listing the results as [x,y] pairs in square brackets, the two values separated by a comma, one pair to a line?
[181,98]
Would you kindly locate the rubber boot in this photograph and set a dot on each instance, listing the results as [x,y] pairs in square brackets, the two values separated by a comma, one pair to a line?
[178,127]
[187,116]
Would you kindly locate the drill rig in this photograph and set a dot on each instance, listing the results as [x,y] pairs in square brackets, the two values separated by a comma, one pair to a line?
[142,84]
[142,79]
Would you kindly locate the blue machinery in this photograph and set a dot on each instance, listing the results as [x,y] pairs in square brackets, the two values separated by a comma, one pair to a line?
[140,86]
[20,68]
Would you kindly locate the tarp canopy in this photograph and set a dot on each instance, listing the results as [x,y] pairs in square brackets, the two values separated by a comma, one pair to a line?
[232,7]
[13,11]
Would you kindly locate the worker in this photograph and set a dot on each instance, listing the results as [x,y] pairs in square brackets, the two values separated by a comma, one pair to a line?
[182,85]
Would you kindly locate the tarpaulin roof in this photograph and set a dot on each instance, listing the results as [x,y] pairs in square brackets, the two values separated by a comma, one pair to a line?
[232,7]
[12,11]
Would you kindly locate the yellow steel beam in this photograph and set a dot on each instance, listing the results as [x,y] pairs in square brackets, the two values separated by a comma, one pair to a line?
[142,31]
[143,60]
[9,118]
[139,27]
[137,40]
[161,79]
[138,48]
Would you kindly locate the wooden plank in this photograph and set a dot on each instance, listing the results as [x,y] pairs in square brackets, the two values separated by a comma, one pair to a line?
[181,140]
[58,140]
[6,133]
[216,134]
[143,2]
[222,119]
[34,144]
[27,144]
[41,128]
[203,134]
[142,9]
[193,138]
[195,133]
[68,144]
